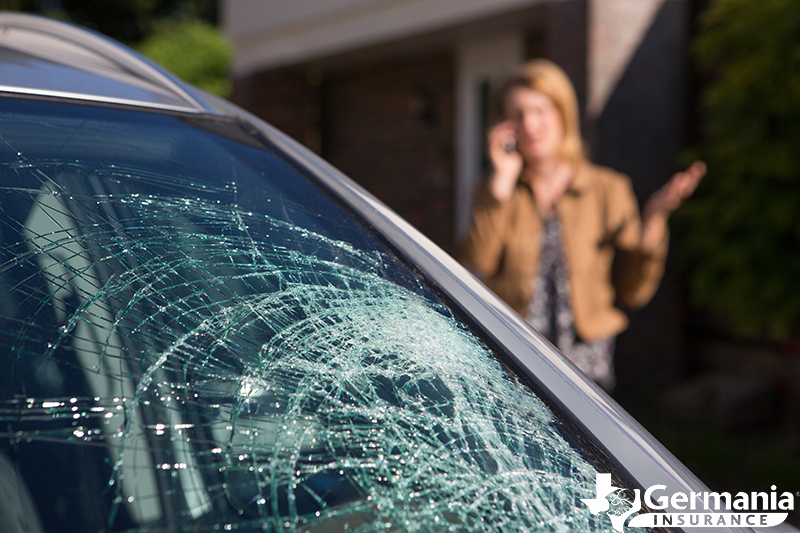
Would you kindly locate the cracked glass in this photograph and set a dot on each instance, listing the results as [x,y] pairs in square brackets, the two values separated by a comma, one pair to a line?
[195,337]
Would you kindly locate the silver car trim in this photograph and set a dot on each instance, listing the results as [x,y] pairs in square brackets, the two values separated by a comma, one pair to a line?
[100,99]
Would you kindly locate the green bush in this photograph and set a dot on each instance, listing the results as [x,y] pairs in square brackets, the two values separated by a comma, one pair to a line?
[740,234]
[193,50]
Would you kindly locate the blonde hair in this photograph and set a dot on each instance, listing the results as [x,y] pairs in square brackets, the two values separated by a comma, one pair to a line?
[549,79]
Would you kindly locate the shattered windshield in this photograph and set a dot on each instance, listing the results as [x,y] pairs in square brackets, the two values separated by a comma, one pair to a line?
[193,337]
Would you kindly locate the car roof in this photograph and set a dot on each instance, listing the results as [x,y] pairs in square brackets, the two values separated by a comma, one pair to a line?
[49,58]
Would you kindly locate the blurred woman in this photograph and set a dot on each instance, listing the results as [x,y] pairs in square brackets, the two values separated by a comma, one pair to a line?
[559,238]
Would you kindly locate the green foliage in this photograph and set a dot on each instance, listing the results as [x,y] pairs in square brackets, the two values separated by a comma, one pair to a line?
[128,21]
[180,35]
[194,51]
[740,234]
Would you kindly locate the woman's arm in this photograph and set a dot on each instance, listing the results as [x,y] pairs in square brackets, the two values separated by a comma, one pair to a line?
[639,266]
[483,247]
[491,220]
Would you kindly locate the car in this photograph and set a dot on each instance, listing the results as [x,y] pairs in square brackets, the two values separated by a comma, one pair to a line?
[206,327]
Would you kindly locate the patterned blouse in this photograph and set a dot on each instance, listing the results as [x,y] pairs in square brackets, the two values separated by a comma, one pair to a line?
[549,311]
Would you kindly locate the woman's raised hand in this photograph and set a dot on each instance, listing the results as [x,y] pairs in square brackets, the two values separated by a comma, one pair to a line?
[667,199]
[506,160]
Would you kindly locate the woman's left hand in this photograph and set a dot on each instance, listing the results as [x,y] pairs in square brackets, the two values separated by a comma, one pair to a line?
[664,201]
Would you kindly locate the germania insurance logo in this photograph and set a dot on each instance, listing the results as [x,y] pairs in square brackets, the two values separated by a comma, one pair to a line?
[698,509]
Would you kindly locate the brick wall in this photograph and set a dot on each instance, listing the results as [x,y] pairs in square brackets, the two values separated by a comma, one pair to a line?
[285,98]
[388,125]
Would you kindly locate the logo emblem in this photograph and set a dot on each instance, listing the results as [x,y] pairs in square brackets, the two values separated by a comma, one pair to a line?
[694,509]
[601,503]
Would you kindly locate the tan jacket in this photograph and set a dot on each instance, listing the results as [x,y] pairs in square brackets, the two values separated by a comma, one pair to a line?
[601,229]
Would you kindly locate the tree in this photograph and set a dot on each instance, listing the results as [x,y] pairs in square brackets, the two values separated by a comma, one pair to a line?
[181,35]
[128,21]
[193,50]
[740,234]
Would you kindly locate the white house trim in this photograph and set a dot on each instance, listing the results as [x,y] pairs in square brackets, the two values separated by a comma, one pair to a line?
[272,33]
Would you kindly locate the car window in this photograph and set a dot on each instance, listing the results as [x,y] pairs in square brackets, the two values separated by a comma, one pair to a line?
[195,337]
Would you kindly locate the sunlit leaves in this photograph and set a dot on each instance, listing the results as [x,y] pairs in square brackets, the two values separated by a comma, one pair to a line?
[193,50]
